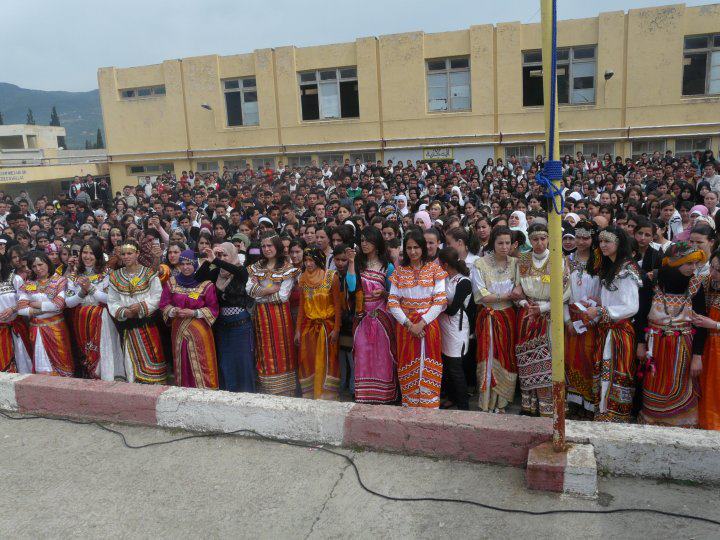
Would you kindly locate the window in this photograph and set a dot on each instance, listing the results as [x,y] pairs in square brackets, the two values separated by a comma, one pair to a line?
[299,161]
[448,81]
[567,149]
[233,164]
[649,147]
[207,166]
[143,92]
[575,76]
[241,102]
[686,147]
[701,65]
[329,93]
[330,159]
[364,157]
[527,150]
[600,148]
[152,168]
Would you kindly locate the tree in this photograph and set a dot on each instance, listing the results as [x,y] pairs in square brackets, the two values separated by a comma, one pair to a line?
[99,140]
[30,120]
[2,120]
[88,146]
[54,118]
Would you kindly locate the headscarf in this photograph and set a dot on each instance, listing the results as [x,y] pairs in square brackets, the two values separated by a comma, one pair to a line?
[317,256]
[188,282]
[699,209]
[425,217]
[225,277]
[572,216]
[523,225]
[681,253]
[404,210]
[456,190]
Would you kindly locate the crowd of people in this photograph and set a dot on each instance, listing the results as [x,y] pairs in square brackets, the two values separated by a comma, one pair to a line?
[425,284]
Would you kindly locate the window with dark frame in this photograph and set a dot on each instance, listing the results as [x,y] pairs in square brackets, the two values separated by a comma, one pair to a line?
[142,92]
[241,102]
[448,84]
[327,94]
[701,65]
[576,68]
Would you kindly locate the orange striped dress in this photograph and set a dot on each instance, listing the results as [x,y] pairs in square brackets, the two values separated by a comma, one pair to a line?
[709,410]
[416,294]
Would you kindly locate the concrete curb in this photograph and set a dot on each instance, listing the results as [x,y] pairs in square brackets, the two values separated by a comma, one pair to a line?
[619,449]
[572,472]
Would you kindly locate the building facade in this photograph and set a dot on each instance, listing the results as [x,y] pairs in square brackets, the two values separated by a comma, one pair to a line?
[33,159]
[628,83]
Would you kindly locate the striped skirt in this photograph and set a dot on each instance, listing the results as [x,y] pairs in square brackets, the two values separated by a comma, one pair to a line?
[318,365]
[581,365]
[275,349]
[7,349]
[616,378]
[52,336]
[194,356]
[534,363]
[496,364]
[86,326]
[144,351]
[420,365]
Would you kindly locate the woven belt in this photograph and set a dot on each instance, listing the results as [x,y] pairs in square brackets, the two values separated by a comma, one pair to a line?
[232,310]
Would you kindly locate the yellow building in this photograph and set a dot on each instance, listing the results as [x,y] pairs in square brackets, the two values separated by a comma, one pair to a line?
[32,159]
[628,83]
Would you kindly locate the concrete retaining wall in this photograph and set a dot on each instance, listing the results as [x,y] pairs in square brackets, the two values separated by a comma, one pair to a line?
[472,436]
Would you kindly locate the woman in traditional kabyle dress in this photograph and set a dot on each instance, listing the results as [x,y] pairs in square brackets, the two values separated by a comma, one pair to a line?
[191,307]
[133,297]
[620,282]
[671,347]
[42,299]
[270,283]
[14,342]
[493,282]
[417,298]
[533,338]
[98,341]
[582,342]
[374,349]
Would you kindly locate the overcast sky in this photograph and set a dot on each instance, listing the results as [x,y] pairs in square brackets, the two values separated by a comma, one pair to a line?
[60,44]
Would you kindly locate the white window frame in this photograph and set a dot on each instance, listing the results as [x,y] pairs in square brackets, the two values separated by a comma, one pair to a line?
[712,59]
[323,110]
[330,158]
[243,86]
[564,146]
[131,94]
[571,64]
[207,166]
[448,70]
[647,148]
[301,161]
[519,151]
[599,148]
[363,157]
[693,141]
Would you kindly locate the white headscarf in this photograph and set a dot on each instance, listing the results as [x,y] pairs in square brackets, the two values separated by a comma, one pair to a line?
[225,277]
[404,210]
[456,189]
[523,225]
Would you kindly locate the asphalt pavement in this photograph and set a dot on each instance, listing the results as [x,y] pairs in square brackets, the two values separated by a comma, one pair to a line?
[60,480]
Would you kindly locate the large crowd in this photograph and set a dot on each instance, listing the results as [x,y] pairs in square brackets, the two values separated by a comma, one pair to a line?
[425,284]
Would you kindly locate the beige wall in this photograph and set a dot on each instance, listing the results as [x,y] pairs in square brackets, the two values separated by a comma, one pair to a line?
[642,100]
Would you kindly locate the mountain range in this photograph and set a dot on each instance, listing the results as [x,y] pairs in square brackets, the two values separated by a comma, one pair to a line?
[79,112]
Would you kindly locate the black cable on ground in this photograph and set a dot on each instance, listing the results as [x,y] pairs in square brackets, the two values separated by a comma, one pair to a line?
[351,462]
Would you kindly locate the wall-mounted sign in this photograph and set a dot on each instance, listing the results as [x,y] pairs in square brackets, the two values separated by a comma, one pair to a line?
[12,175]
[430,154]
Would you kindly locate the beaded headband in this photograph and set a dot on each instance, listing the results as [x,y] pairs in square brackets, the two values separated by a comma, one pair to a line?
[129,246]
[583,233]
[608,236]
[538,234]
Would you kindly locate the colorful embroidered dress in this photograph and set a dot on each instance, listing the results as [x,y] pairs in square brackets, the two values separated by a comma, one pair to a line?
[374,346]
[274,329]
[319,315]
[49,335]
[143,352]
[93,329]
[416,294]
[534,360]
[194,355]
[709,407]
[495,330]
[14,342]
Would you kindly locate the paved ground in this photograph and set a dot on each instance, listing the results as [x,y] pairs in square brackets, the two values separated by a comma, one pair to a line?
[62,480]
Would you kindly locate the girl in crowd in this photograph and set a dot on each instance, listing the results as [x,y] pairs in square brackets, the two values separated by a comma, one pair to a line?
[670,352]
[582,341]
[482,233]
[417,297]
[42,300]
[233,328]
[619,297]
[709,406]
[97,339]
[191,307]
[433,240]
[533,346]
[296,251]
[374,348]
[493,283]
[14,343]
[455,326]
[270,283]
[318,328]
[133,298]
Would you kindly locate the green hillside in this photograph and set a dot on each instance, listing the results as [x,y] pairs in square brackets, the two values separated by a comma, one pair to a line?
[79,112]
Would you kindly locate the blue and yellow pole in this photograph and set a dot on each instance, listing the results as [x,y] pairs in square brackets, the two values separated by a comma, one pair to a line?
[552,151]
